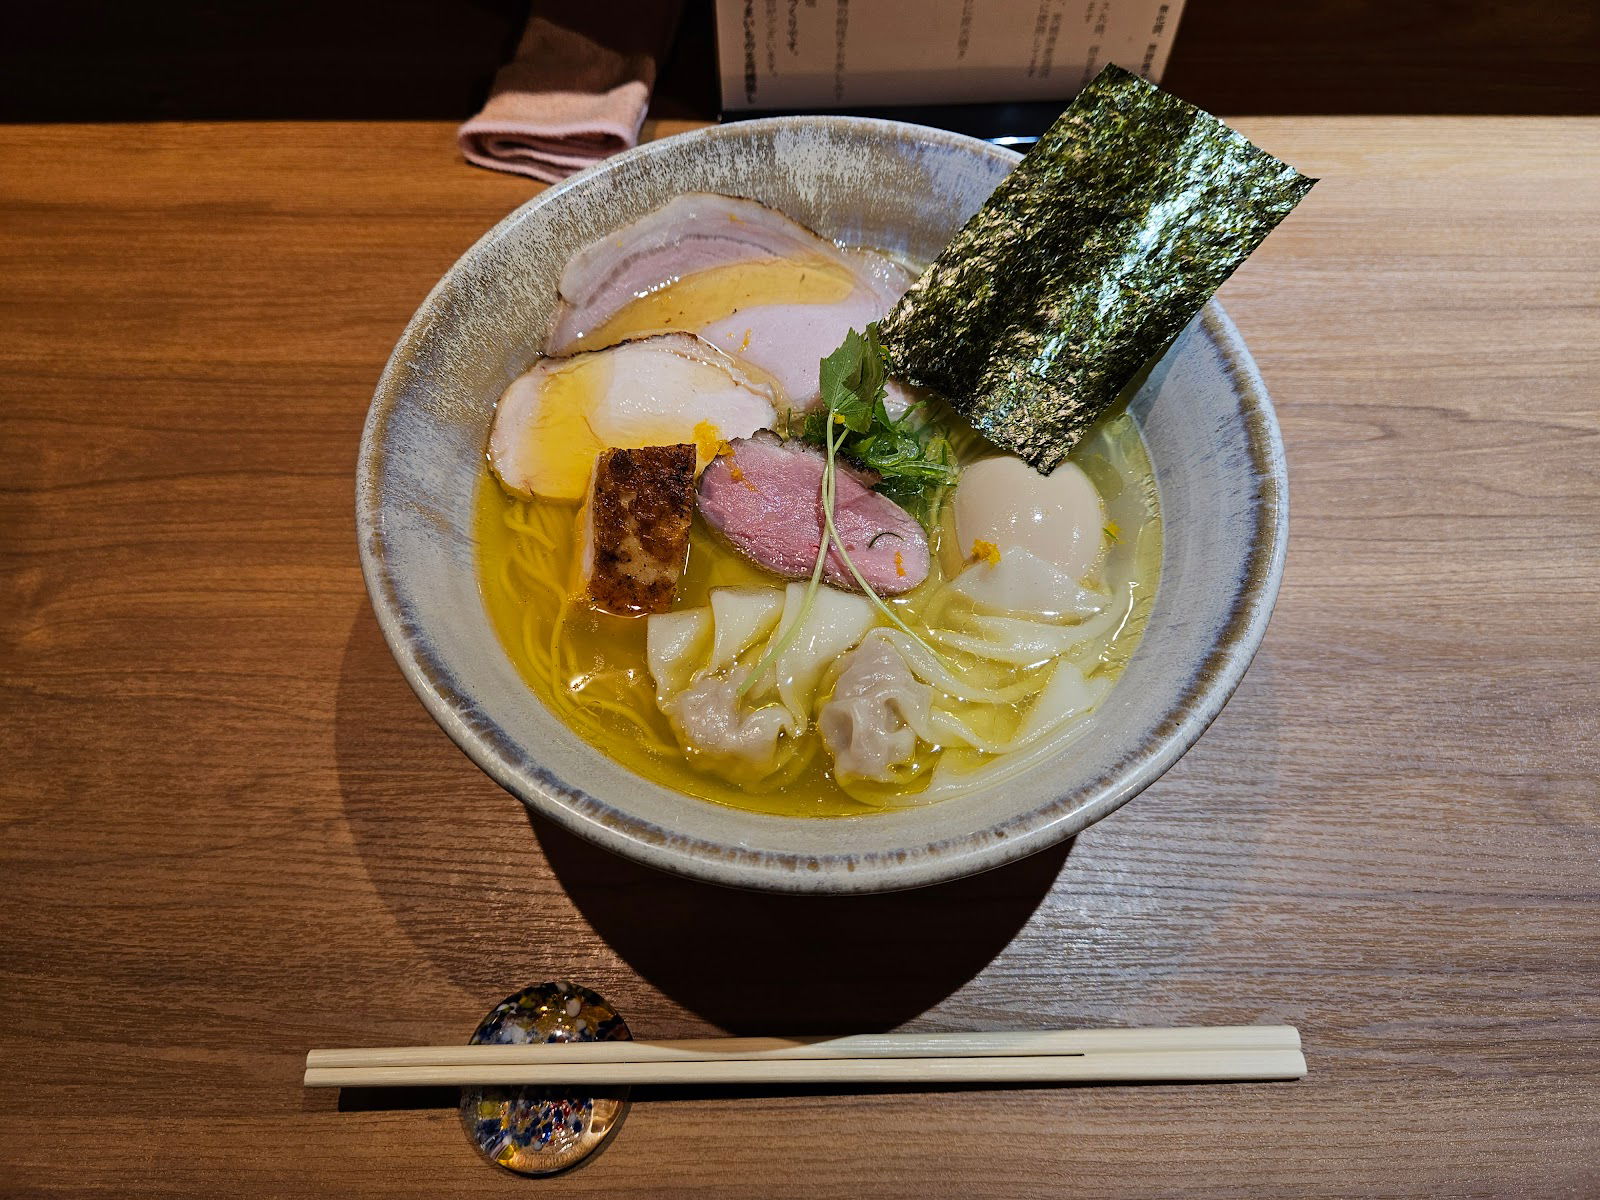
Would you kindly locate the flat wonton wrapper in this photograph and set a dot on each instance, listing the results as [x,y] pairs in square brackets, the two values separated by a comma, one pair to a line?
[691,652]
[674,648]
[1085,263]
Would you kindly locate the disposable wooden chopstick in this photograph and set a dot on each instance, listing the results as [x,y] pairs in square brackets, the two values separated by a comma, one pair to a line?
[870,1045]
[1168,1065]
[1222,1053]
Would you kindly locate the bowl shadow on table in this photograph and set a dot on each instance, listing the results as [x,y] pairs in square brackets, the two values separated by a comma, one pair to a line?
[759,963]
[432,834]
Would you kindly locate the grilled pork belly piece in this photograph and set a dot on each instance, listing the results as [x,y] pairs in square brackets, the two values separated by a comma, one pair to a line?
[636,528]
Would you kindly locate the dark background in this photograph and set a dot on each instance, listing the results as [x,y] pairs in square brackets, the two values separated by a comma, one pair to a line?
[81,60]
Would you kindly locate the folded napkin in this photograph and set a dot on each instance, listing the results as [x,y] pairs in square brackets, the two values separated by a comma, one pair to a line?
[577,89]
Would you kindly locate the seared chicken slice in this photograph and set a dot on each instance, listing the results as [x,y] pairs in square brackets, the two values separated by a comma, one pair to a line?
[656,391]
[692,238]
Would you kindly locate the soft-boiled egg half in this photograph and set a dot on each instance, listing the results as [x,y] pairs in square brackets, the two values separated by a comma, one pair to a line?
[1004,503]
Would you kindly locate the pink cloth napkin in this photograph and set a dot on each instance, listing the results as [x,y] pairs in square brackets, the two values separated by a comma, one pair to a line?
[577,89]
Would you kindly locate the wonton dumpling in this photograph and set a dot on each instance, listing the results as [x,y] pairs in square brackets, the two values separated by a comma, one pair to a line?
[1021,642]
[711,718]
[877,711]
[933,670]
[1068,694]
[693,656]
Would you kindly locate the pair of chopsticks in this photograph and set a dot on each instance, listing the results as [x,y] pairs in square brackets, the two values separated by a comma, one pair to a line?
[1221,1053]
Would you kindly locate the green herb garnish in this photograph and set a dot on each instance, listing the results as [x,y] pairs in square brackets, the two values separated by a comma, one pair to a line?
[852,380]
[853,415]
[913,457]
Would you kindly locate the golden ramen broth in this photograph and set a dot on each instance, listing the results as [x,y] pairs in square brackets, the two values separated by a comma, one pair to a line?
[589,667]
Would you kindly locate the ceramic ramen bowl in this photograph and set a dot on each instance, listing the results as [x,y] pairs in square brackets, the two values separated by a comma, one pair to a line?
[1203,411]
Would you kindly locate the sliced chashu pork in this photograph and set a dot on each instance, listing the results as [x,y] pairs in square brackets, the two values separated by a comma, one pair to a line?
[702,232]
[552,422]
[764,498]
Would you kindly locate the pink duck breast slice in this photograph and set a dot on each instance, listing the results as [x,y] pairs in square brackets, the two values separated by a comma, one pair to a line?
[765,499]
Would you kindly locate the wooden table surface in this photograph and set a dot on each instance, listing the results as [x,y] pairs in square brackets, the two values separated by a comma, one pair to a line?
[231,832]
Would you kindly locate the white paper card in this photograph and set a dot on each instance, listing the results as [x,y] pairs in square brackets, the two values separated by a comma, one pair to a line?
[855,53]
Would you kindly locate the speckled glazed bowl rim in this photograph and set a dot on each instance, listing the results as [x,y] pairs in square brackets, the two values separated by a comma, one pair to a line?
[1189,714]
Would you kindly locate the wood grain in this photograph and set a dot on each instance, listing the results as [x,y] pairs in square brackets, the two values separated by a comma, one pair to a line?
[231,833]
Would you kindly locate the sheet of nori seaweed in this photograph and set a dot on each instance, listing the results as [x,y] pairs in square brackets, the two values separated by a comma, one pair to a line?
[1087,261]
